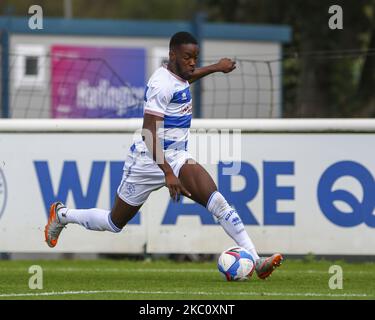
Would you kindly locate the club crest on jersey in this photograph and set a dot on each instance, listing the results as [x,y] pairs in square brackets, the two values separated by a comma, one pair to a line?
[3,192]
[130,189]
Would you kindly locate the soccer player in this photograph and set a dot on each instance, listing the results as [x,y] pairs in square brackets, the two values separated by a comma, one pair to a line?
[160,158]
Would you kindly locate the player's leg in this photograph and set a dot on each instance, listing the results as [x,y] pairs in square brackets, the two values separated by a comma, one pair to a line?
[100,219]
[92,219]
[197,181]
[129,199]
[204,191]
[123,212]
[131,194]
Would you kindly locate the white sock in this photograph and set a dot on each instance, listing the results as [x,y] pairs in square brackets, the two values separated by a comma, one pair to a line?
[231,222]
[91,219]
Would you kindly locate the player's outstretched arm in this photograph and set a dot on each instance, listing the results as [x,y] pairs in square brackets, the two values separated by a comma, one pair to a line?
[224,65]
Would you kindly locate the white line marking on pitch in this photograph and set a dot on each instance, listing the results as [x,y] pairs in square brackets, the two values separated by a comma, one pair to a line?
[197,293]
[72,269]
[170,270]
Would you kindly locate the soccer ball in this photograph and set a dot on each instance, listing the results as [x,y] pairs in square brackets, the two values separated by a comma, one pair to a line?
[236,264]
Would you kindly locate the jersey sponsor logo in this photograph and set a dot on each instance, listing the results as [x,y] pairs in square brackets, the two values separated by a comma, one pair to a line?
[3,193]
[187,109]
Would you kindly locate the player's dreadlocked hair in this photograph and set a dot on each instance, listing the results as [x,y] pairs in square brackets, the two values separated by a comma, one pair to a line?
[180,38]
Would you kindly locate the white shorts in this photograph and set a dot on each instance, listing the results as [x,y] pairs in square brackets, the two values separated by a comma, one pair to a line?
[142,175]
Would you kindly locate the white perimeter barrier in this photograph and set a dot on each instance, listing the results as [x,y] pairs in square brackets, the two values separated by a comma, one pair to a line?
[299,185]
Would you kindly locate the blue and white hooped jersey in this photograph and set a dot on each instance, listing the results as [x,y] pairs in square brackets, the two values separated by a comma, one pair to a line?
[168,96]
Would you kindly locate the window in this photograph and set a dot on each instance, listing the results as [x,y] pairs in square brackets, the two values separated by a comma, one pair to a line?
[31,66]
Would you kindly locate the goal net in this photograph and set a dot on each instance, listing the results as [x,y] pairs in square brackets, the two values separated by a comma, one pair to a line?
[66,86]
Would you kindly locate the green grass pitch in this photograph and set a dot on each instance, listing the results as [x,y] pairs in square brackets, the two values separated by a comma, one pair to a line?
[170,280]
